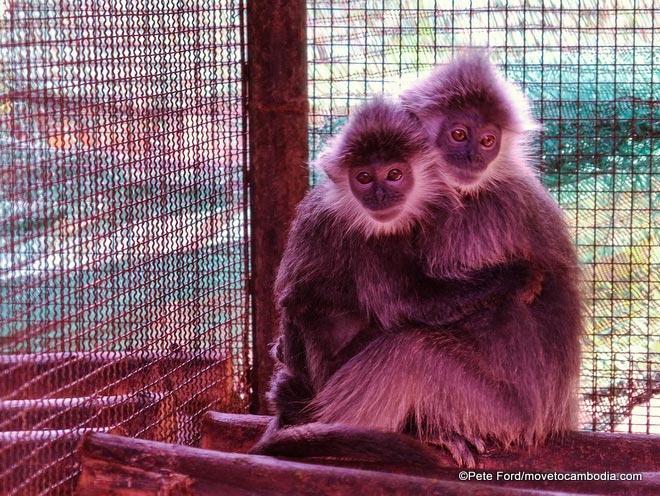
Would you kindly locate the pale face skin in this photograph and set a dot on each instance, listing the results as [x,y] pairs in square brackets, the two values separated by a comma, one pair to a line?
[382,188]
[468,145]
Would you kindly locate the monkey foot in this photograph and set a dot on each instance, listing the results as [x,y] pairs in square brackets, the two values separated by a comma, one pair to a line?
[478,444]
[460,448]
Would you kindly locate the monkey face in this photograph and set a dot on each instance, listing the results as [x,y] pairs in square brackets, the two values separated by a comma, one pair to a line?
[382,188]
[468,144]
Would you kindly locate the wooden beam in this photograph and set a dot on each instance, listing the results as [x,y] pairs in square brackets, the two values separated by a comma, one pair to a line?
[277,112]
[82,374]
[88,412]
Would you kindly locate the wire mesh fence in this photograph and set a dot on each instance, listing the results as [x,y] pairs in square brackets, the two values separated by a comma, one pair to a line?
[123,247]
[592,70]
[123,198]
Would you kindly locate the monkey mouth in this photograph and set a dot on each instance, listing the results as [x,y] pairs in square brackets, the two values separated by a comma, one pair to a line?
[385,215]
[463,177]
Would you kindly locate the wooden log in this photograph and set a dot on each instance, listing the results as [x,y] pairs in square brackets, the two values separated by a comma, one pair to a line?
[584,451]
[119,465]
[586,454]
[578,451]
[277,109]
[234,433]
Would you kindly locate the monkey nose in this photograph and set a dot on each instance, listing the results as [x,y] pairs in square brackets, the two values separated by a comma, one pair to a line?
[380,194]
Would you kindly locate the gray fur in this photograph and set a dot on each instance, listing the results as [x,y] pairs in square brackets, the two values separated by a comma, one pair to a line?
[363,311]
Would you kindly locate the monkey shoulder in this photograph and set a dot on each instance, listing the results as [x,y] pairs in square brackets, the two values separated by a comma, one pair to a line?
[509,222]
[322,235]
[316,260]
[547,229]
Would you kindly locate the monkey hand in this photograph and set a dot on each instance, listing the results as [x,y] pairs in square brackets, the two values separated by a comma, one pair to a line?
[532,289]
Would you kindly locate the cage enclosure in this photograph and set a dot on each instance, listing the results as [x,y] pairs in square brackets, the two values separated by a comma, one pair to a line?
[152,154]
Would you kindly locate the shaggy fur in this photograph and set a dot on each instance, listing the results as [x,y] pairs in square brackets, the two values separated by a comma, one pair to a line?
[379,131]
[506,374]
[469,84]
[361,309]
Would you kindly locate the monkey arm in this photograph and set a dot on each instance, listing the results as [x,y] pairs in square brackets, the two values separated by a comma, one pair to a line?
[322,322]
[313,345]
[442,302]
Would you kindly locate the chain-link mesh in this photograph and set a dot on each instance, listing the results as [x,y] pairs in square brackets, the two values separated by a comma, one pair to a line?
[123,256]
[123,250]
[593,71]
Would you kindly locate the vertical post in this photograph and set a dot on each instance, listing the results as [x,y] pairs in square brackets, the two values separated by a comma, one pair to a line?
[277,112]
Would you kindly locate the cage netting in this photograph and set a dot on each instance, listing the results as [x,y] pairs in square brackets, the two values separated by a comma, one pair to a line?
[123,246]
[592,71]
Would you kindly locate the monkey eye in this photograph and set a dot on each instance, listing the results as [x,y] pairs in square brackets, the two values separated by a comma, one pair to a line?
[459,134]
[364,177]
[488,140]
[394,175]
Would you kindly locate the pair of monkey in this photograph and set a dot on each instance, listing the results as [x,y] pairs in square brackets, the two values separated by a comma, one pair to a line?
[429,286]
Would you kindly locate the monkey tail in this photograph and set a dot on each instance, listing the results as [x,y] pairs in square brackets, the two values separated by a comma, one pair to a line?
[351,444]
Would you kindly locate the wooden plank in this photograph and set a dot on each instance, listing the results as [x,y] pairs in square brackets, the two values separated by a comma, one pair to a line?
[67,413]
[99,358]
[80,374]
[119,465]
[39,437]
[278,107]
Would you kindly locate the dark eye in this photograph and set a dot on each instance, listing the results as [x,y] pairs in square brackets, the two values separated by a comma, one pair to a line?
[458,134]
[488,140]
[394,175]
[364,178]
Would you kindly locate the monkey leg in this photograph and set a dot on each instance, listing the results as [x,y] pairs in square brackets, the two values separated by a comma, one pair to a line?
[289,395]
[435,380]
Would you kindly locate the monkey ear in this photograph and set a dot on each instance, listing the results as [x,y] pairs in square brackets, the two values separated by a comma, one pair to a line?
[327,164]
[329,161]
